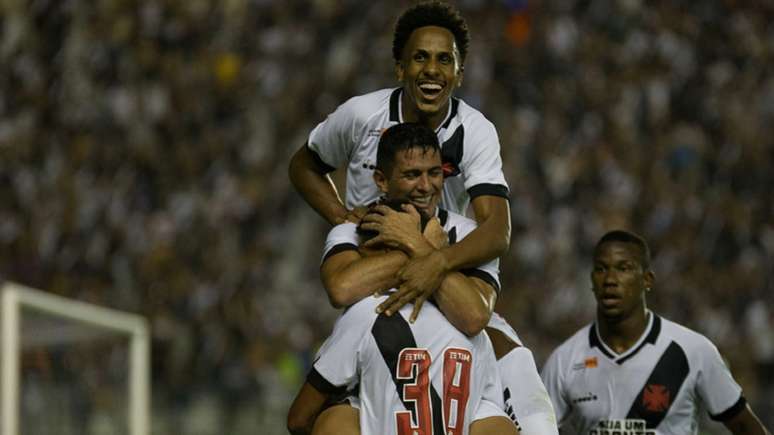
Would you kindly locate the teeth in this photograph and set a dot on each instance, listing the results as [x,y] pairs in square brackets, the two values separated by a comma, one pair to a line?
[430,87]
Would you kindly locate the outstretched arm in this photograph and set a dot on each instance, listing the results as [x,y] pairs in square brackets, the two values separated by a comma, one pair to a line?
[746,423]
[311,180]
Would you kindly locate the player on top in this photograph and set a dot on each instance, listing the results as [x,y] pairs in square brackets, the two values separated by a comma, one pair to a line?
[424,377]
[429,47]
[633,372]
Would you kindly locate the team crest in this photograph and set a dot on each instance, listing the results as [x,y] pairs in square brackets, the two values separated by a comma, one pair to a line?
[655,398]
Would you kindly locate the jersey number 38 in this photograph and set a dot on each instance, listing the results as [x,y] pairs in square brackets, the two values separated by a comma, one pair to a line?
[414,365]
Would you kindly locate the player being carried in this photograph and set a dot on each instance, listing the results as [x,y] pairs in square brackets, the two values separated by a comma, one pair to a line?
[429,47]
[633,372]
[405,377]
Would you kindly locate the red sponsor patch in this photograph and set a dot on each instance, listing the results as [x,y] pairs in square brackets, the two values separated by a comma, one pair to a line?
[448,169]
[590,362]
[655,398]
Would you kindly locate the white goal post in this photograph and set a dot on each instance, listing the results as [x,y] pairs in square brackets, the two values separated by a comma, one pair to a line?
[14,297]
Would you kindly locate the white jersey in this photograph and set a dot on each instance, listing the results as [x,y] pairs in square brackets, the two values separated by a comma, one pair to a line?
[470,148]
[344,236]
[656,387]
[425,377]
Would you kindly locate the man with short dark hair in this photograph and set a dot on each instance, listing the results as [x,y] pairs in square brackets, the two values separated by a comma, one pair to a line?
[632,371]
[429,47]
[424,376]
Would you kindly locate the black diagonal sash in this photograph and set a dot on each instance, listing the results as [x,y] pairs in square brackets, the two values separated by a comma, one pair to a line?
[393,334]
[452,150]
[660,390]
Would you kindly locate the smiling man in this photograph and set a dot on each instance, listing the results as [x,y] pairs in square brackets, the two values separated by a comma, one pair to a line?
[430,45]
[404,377]
[633,372]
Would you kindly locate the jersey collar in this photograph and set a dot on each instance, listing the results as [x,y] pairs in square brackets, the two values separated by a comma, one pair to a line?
[396,109]
[650,335]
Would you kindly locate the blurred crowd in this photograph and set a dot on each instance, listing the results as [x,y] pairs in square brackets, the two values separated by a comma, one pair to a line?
[144,147]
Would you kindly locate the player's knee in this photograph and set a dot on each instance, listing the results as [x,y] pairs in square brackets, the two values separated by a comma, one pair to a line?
[501,344]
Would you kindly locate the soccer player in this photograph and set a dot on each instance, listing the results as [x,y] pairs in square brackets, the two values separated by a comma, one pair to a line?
[429,47]
[421,377]
[632,371]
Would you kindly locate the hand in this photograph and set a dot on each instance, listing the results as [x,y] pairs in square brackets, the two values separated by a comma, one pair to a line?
[399,230]
[371,250]
[421,278]
[356,214]
[435,234]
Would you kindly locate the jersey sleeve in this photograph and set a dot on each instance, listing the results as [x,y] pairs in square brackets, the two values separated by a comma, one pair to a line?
[336,366]
[333,140]
[481,165]
[489,271]
[721,394]
[341,238]
[553,380]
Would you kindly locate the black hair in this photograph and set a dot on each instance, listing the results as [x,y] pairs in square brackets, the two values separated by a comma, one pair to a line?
[403,137]
[433,13]
[624,236]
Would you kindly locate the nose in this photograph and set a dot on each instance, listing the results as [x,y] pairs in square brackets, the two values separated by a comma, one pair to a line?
[610,277]
[431,66]
[423,184]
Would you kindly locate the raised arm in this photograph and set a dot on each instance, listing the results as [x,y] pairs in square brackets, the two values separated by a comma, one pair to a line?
[310,178]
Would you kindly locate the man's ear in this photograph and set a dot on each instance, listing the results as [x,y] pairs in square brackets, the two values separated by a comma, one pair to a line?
[460,75]
[650,279]
[399,71]
[381,180]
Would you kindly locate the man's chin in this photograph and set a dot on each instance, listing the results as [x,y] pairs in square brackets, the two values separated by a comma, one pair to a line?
[426,211]
[428,110]
[612,315]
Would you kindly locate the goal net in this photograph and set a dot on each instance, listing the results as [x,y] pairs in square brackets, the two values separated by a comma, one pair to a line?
[70,367]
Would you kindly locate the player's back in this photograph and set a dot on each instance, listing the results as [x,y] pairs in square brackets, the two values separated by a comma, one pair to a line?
[422,375]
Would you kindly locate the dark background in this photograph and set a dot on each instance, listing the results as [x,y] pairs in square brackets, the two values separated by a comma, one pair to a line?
[143,166]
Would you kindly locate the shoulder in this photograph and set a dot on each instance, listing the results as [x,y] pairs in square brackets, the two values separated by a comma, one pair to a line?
[462,225]
[473,120]
[578,343]
[346,229]
[364,106]
[341,237]
[360,314]
[692,342]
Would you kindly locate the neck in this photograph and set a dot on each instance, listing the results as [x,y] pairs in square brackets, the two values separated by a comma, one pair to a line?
[621,335]
[411,113]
